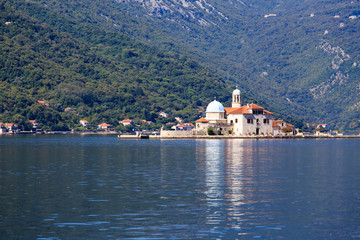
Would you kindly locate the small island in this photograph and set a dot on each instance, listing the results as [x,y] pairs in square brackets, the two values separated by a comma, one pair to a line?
[237,121]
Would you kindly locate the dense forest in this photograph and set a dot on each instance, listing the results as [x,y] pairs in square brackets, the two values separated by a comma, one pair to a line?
[104,76]
[298,58]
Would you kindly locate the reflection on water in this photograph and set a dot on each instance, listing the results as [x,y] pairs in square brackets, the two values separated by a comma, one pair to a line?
[236,194]
[230,177]
[262,186]
[214,172]
[55,187]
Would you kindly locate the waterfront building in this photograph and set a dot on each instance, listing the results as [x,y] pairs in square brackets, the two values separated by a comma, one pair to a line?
[126,122]
[237,120]
[104,126]
[322,127]
[84,123]
[34,124]
[280,127]
[12,128]
[3,129]
[183,126]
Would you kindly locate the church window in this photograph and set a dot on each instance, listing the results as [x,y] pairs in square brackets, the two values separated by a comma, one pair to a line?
[236,120]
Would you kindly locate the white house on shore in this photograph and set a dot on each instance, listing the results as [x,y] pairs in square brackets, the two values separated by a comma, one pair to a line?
[34,124]
[84,123]
[237,120]
[3,129]
[104,126]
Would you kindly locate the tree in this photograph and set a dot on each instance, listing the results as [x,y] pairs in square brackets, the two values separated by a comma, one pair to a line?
[210,131]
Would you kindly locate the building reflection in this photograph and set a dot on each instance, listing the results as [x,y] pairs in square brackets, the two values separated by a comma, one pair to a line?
[229,174]
[239,177]
[214,178]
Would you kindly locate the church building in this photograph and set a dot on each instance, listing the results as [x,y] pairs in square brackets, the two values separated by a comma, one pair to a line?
[238,120]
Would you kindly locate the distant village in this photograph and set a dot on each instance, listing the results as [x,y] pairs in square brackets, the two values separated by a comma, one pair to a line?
[279,127]
[237,120]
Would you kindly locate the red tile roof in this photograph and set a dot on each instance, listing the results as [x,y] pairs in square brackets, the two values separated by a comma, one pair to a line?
[240,110]
[126,121]
[10,125]
[245,109]
[148,122]
[202,120]
[185,125]
[276,122]
[43,102]
[254,106]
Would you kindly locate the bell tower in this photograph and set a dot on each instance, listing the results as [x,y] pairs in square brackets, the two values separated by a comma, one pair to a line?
[236,98]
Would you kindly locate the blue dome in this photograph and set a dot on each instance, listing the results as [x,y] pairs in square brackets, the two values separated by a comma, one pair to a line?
[215,107]
[236,92]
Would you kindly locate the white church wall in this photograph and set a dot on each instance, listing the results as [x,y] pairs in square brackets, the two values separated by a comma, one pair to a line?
[246,124]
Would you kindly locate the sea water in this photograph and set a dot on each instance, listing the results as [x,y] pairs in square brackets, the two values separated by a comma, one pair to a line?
[100,187]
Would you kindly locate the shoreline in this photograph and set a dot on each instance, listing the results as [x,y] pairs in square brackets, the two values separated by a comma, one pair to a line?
[60,133]
[128,136]
[241,137]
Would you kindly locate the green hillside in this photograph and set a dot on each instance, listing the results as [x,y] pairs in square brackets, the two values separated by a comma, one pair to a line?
[103,75]
[298,58]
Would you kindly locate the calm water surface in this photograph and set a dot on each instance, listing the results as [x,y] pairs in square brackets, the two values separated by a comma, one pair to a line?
[94,187]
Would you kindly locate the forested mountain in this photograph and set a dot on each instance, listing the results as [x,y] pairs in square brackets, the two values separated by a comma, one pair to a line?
[299,58]
[104,76]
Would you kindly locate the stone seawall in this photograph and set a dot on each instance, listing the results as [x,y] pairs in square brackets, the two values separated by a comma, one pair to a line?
[181,134]
[254,137]
[202,135]
[192,134]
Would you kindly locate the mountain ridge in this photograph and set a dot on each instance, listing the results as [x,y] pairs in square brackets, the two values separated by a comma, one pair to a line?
[281,46]
[271,49]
